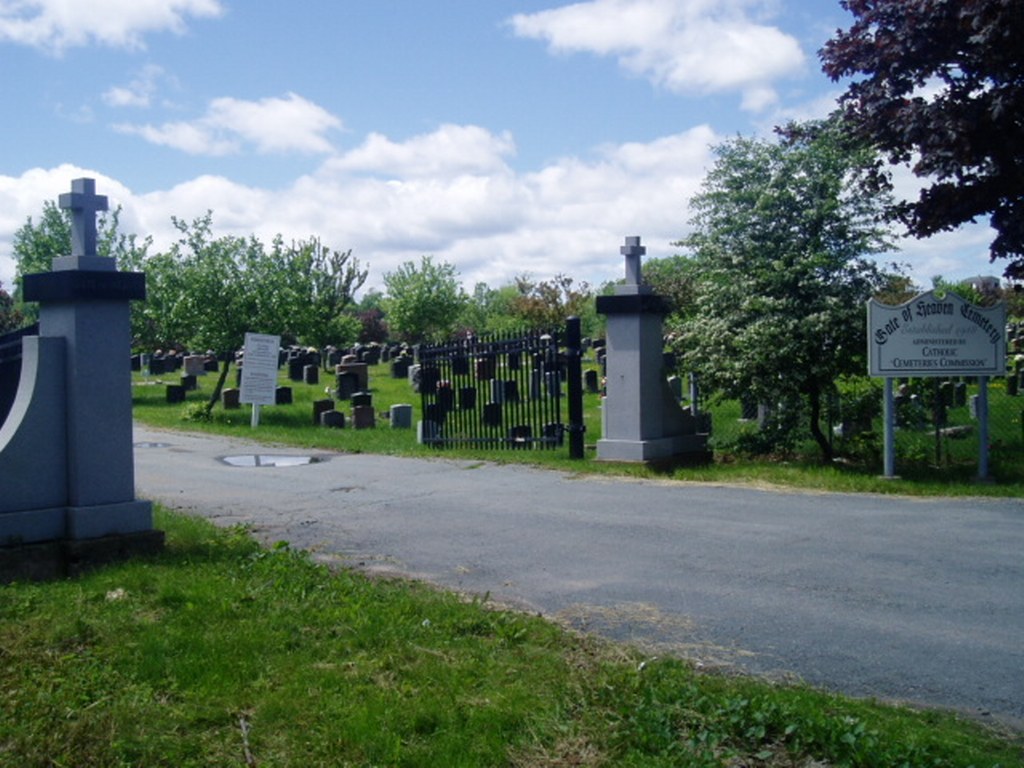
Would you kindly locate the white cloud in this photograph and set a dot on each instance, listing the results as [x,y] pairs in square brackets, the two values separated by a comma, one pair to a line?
[271,125]
[56,25]
[490,222]
[449,149]
[699,46]
[139,92]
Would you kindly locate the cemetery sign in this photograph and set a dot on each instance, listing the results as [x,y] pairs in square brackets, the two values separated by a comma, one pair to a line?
[259,368]
[936,336]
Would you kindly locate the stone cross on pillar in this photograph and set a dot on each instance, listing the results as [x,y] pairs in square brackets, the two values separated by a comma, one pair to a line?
[632,250]
[84,204]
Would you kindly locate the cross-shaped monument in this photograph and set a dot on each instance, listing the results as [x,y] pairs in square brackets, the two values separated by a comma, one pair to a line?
[84,204]
[632,250]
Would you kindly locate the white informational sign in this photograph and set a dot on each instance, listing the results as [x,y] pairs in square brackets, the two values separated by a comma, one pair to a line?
[259,369]
[932,336]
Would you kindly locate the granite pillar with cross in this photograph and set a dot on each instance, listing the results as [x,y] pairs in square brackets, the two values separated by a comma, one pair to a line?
[641,419]
[66,451]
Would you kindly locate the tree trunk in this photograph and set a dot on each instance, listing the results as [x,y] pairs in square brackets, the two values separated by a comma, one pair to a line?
[220,384]
[814,397]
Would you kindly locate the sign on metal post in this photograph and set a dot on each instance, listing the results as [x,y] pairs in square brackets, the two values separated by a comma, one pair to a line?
[259,372]
[933,335]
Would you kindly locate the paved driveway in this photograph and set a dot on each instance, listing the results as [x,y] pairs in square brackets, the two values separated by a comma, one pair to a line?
[913,600]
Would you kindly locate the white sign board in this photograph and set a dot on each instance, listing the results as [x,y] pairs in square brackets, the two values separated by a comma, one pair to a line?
[932,336]
[259,369]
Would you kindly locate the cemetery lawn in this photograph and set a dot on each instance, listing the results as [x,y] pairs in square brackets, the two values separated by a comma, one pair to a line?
[954,474]
[221,652]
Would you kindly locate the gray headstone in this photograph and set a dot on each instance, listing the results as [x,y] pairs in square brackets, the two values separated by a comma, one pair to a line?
[401,416]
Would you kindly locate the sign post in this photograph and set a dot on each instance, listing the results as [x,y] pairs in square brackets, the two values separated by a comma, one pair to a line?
[259,372]
[936,336]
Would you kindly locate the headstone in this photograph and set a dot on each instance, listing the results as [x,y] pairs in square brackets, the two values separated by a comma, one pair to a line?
[973,406]
[231,398]
[492,415]
[320,407]
[136,364]
[347,385]
[361,370]
[363,417]
[467,398]
[283,396]
[486,367]
[1012,385]
[296,367]
[332,419]
[445,396]
[591,381]
[189,382]
[361,399]
[311,374]
[400,368]
[175,393]
[401,416]
[497,390]
[195,365]
[520,435]
[959,394]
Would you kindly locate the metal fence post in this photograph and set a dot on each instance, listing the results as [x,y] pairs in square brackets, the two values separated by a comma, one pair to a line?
[574,355]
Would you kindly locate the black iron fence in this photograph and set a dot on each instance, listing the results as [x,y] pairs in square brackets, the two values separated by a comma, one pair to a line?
[504,391]
[10,366]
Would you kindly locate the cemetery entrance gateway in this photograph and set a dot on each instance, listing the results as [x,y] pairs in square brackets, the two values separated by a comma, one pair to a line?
[503,391]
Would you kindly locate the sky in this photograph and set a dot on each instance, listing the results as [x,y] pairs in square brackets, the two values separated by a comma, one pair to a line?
[505,138]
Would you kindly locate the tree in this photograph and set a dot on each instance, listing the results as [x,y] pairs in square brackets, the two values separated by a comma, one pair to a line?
[320,285]
[676,279]
[943,91]
[423,303]
[782,231]
[548,303]
[10,318]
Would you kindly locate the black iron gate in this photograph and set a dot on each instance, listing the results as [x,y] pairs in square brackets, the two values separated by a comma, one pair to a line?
[504,391]
[10,366]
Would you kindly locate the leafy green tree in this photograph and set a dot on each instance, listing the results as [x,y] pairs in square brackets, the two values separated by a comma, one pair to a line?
[546,304]
[490,310]
[940,87]
[675,278]
[10,318]
[219,289]
[319,285]
[781,235]
[425,302]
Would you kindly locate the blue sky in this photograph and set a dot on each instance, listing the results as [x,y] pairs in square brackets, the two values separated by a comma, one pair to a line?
[503,137]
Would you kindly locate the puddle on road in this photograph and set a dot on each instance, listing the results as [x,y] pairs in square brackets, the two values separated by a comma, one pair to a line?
[269,460]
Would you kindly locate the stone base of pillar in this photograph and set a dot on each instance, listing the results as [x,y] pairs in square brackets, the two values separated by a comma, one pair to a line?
[53,560]
[684,449]
[98,520]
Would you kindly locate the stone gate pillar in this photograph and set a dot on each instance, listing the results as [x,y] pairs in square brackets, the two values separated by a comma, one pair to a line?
[84,399]
[641,419]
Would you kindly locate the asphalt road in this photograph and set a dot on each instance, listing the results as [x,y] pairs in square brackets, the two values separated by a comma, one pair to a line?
[920,601]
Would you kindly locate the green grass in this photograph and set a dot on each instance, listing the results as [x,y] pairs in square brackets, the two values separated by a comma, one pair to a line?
[954,475]
[222,653]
